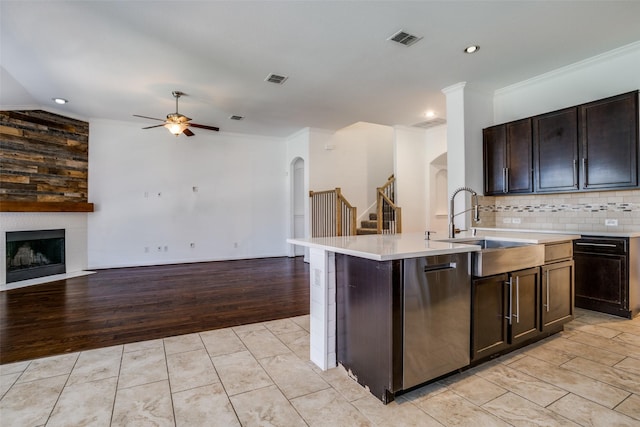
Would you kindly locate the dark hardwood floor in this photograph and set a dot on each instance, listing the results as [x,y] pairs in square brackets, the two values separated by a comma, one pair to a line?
[118,306]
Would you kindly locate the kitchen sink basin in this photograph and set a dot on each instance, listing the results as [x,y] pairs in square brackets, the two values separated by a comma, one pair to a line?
[501,256]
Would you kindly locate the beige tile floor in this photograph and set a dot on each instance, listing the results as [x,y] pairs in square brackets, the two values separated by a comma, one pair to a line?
[259,375]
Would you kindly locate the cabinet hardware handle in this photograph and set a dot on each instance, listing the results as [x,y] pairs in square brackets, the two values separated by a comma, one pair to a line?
[575,173]
[517,315]
[439,267]
[507,180]
[585,171]
[548,286]
[602,245]
[504,180]
[510,283]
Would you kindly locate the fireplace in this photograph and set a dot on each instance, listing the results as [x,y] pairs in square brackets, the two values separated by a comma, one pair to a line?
[32,254]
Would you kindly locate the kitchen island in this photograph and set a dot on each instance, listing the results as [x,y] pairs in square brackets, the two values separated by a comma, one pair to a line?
[371,294]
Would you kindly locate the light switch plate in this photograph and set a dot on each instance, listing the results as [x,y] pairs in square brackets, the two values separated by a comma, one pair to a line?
[611,222]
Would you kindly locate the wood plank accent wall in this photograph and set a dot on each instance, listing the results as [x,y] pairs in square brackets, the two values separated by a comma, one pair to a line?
[44,162]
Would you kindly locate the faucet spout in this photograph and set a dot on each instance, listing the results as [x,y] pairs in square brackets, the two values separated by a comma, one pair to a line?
[475,208]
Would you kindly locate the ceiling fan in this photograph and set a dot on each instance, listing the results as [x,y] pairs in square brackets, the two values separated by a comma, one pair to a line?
[176,122]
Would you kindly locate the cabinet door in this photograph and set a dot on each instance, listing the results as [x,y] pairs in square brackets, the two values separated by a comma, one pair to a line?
[557,293]
[525,317]
[494,142]
[519,169]
[489,310]
[601,282]
[555,151]
[609,142]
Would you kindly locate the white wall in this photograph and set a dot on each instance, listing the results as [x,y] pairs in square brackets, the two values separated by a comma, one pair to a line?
[612,73]
[415,151]
[358,159]
[141,182]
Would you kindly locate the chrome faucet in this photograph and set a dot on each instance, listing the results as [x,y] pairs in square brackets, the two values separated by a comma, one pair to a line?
[475,208]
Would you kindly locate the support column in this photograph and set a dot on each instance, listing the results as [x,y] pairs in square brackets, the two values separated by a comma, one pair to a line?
[468,112]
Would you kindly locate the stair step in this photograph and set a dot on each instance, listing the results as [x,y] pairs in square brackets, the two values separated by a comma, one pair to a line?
[369,224]
[363,231]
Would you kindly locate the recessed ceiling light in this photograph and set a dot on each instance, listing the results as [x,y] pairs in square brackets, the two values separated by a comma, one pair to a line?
[472,49]
[430,114]
[236,117]
[60,101]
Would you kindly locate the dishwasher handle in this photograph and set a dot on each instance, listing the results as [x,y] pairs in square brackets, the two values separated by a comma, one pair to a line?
[439,267]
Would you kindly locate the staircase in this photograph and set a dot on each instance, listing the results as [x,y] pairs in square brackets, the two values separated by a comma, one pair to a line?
[370,226]
[333,215]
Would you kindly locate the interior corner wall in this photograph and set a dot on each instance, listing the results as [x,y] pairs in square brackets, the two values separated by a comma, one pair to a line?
[357,158]
[298,147]
[161,199]
[415,150]
[411,172]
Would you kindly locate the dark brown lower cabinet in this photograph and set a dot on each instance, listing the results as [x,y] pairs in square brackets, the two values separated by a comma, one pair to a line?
[557,293]
[505,311]
[608,274]
[489,309]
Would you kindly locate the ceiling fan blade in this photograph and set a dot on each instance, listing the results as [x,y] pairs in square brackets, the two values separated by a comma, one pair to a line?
[145,117]
[154,126]
[188,132]
[195,125]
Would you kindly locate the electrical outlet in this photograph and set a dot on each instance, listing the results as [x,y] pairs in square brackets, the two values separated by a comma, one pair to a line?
[235,244]
[193,245]
[159,248]
[516,220]
[611,222]
[506,220]
[166,248]
[146,249]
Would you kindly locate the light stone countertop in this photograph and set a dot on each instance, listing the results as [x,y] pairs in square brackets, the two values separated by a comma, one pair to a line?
[630,234]
[384,247]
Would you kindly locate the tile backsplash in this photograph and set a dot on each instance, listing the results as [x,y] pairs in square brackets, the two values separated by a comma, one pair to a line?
[564,212]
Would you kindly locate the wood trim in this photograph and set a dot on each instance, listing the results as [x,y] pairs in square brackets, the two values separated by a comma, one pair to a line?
[8,206]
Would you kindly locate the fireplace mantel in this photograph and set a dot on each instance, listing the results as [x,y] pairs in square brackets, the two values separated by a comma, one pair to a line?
[7,206]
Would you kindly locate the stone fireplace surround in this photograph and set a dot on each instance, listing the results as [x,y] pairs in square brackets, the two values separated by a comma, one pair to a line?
[75,226]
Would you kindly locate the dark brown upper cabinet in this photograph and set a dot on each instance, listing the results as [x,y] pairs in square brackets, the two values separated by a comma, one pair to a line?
[555,151]
[508,158]
[592,146]
[609,142]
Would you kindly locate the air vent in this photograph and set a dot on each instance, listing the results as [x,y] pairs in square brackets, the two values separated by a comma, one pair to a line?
[404,38]
[275,78]
[430,123]
[234,117]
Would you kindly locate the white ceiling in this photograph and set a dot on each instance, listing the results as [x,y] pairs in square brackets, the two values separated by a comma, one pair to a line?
[112,59]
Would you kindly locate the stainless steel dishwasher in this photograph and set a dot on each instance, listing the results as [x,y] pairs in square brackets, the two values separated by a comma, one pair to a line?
[437,319]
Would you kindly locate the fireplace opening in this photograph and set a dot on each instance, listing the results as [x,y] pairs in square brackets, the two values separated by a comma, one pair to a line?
[32,254]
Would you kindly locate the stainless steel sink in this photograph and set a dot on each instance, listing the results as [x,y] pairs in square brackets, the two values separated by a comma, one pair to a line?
[501,256]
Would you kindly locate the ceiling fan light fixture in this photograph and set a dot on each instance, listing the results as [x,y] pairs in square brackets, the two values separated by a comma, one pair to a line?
[176,128]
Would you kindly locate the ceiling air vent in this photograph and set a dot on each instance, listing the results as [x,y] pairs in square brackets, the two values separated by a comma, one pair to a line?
[275,78]
[234,117]
[404,38]
[430,123]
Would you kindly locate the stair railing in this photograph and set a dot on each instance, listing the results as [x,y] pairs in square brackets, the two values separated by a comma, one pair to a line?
[389,216]
[331,214]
